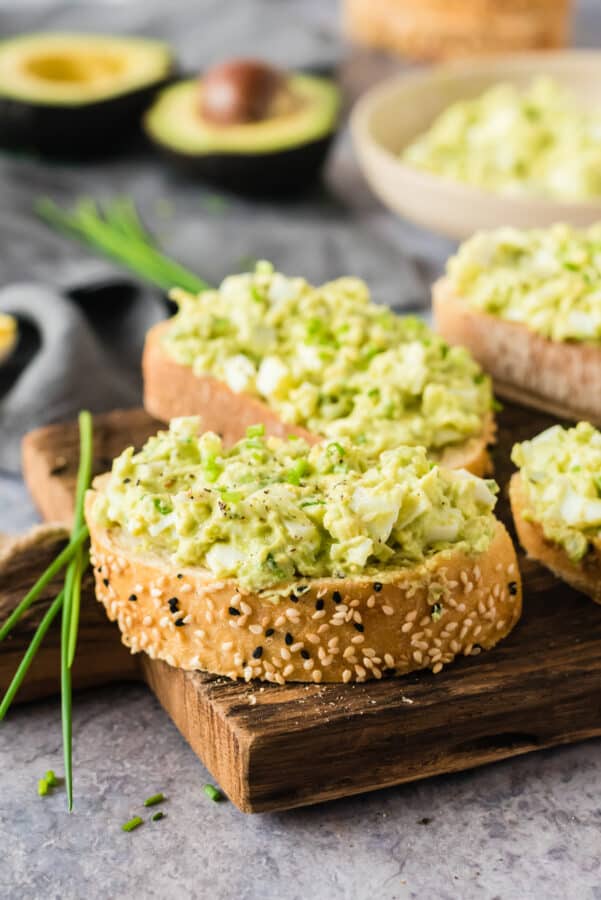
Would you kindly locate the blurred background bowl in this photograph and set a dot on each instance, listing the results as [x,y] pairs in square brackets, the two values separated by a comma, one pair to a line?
[395,112]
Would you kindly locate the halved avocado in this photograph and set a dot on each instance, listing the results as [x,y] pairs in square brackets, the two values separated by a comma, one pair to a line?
[76,93]
[278,153]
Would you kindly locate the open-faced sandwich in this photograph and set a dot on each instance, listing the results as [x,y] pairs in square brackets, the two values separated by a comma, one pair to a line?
[278,560]
[527,304]
[317,362]
[556,503]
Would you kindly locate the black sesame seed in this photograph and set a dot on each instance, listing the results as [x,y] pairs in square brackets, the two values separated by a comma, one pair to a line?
[337,597]
[293,598]
[358,626]
[305,654]
[105,582]
[173,604]
[257,653]
[289,639]
[233,611]
[179,575]
[513,588]
[126,480]
[377,586]
[269,632]
[132,598]
[319,604]
[179,622]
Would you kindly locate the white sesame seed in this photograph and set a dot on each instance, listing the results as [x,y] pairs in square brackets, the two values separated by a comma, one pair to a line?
[347,675]
[436,668]
[358,639]
[313,638]
[255,629]
[288,671]
[417,656]
[185,588]
[147,620]
[279,621]
[285,653]
[388,610]
[245,608]
[297,646]
[308,665]
[318,614]
[406,628]
[155,592]
[317,675]
[389,660]
[360,671]
[227,645]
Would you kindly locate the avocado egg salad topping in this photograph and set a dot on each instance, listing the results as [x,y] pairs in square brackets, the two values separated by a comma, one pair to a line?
[510,140]
[328,359]
[549,280]
[561,473]
[270,511]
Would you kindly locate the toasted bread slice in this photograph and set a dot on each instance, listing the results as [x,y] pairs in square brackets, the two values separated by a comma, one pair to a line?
[584,576]
[563,379]
[332,630]
[171,390]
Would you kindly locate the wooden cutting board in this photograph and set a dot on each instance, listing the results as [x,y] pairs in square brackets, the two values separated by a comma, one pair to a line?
[273,747]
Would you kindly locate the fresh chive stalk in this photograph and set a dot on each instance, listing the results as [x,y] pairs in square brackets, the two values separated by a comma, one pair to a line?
[115,230]
[45,578]
[31,651]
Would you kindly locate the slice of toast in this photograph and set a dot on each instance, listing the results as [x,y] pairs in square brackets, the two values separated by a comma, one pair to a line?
[172,390]
[322,629]
[584,576]
[561,378]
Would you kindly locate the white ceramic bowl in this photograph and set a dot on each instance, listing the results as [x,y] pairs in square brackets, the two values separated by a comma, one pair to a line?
[391,115]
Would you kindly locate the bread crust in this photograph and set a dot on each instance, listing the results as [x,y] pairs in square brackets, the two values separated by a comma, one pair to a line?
[584,576]
[561,378]
[336,631]
[172,390]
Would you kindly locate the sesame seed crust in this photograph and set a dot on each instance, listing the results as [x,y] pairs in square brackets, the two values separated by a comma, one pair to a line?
[419,618]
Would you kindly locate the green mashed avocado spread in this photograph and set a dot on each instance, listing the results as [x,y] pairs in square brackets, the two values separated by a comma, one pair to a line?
[328,359]
[270,511]
[549,280]
[561,473]
[512,141]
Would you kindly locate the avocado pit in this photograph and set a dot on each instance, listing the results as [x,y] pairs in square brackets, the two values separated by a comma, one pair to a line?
[242,91]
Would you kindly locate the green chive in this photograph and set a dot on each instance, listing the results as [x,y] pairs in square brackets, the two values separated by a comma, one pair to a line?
[117,232]
[255,431]
[158,816]
[133,823]
[31,651]
[51,778]
[45,578]
[156,798]
[212,793]
[42,787]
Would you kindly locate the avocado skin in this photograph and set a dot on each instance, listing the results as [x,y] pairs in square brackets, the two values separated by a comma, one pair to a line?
[75,131]
[260,174]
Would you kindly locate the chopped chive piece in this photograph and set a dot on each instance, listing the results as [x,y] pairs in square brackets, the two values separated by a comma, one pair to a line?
[133,823]
[212,793]
[42,787]
[255,431]
[51,778]
[152,801]
[496,405]
[158,816]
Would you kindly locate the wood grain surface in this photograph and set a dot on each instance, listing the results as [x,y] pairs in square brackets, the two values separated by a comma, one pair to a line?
[273,747]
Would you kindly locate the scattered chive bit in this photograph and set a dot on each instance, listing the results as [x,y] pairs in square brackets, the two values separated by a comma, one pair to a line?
[42,787]
[212,793]
[255,431]
[156,798]
[132,824]
[158,816]
[51,778]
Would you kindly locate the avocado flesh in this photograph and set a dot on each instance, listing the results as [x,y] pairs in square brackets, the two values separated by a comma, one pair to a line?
[175,121]
[77,69]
